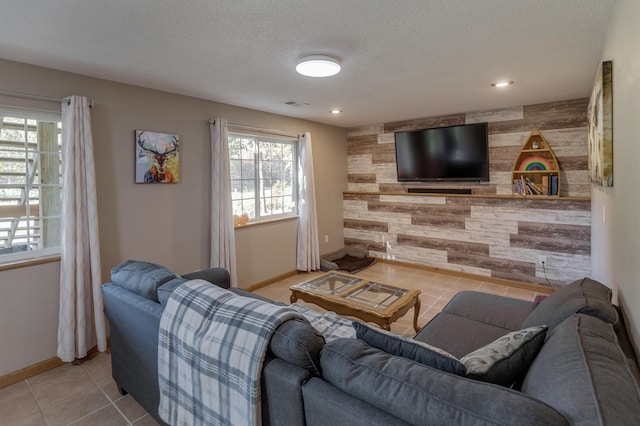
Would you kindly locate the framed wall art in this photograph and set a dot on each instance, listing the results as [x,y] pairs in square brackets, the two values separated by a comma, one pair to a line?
[600,137]
[157,157]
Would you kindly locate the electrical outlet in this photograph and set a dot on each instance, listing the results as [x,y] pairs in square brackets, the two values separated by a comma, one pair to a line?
[326,239]
[542,260]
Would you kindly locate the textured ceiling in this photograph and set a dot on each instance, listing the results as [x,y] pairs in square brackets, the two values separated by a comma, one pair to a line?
[401,59]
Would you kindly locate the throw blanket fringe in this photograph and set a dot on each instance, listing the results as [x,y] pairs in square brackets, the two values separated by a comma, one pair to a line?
[211,347]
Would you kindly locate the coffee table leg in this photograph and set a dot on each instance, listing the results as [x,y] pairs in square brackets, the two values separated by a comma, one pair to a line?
[293,298]
[416,314]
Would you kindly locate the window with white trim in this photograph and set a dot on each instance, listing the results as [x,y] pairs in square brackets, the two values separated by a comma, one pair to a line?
[263,177]
[30,184]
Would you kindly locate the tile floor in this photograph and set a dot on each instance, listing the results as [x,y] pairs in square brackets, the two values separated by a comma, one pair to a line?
[85,394]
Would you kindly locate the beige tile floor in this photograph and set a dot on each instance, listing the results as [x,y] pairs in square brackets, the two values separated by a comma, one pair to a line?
[85,394]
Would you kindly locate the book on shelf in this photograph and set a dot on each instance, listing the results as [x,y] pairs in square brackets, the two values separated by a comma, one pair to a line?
[554,185]
[526,186]
[545,184]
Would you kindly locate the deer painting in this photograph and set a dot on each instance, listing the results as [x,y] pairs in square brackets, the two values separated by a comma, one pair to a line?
[157,157]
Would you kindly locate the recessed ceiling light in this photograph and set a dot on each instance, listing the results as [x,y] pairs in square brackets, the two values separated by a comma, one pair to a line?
[336,111]
[502,84]
[318,66]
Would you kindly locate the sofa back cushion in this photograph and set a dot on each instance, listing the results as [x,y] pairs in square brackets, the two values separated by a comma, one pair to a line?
[418,394]
[582,372]
[142,278]
[584,296]
[165,290]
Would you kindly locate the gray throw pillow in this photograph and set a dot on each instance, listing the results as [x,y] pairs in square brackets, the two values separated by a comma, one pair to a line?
[142,278]
[405,347]
[584,296]
[505,360]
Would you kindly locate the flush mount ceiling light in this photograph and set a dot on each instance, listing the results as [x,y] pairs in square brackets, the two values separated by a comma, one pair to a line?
[336,111]
[318,66]
[502,84]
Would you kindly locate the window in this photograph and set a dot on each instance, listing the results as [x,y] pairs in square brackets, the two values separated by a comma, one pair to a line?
[30,184]
[263,177]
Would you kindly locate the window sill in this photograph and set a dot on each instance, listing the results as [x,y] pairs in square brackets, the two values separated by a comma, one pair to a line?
[265,222]
[29,262]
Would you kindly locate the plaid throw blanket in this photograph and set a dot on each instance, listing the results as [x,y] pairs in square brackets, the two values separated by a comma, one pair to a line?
[211,347]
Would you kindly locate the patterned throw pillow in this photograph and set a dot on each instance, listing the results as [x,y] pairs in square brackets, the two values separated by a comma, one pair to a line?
[396,344]
[506,359]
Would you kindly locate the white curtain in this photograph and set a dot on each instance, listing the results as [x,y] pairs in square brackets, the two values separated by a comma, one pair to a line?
[223,246]
[81,323]
[308,250]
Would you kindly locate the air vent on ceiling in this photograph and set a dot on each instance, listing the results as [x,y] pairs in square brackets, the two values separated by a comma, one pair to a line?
[296,104]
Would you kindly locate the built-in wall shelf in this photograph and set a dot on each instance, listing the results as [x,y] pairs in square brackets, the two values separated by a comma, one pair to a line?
[535,172]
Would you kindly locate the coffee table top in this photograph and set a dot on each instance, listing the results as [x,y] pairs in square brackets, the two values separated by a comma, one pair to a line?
[354,290]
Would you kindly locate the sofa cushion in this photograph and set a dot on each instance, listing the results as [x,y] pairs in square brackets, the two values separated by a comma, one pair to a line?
[582,372]
[295,341]
[584,296]
[492,309]
[458,335]
[142,278]
[419,394]
[405,347]
[507,359]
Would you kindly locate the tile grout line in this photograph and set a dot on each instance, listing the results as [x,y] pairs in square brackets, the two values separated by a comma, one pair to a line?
[33,395]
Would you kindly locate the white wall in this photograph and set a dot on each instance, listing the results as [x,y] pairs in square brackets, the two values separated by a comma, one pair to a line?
[28,315]
[165,224]
[616,244]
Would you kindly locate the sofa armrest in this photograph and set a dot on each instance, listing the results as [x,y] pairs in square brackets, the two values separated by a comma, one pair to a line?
[282,383]
[217,276]
[133,324]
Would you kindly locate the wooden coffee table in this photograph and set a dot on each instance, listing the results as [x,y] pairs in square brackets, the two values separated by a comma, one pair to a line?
[367,300]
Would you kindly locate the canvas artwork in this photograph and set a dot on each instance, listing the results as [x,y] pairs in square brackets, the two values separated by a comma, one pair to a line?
[157,157]
[600,138]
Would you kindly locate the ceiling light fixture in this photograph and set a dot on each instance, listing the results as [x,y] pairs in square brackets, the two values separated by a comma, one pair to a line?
[336,111]
[318,66]
[502,84]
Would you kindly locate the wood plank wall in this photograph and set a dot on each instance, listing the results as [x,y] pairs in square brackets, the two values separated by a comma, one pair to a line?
[501,237]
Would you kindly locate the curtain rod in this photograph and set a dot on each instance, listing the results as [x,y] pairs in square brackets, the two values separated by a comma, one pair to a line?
[258,129]
[37,97]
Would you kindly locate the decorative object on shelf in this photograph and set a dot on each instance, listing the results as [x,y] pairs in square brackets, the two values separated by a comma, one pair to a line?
[600,137]
[535,171]
[535,163]
[157,157]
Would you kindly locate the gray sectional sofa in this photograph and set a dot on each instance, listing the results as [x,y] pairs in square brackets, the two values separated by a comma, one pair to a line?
[573,365]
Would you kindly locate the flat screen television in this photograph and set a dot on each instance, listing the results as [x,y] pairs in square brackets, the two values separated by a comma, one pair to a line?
[456,153]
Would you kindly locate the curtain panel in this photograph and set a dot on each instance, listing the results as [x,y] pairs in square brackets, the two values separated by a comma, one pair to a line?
[308,247]
[81,323]
[223,246]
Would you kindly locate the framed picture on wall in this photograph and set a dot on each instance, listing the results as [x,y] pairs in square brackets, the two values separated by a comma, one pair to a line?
[600,137]
[157,157]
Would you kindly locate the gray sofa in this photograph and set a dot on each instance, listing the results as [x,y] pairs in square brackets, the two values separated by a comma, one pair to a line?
[576,367]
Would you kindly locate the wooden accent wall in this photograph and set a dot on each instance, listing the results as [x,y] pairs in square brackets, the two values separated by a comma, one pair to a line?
[490,233]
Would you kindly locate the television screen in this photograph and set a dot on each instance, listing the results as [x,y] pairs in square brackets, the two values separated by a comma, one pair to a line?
[443,153]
